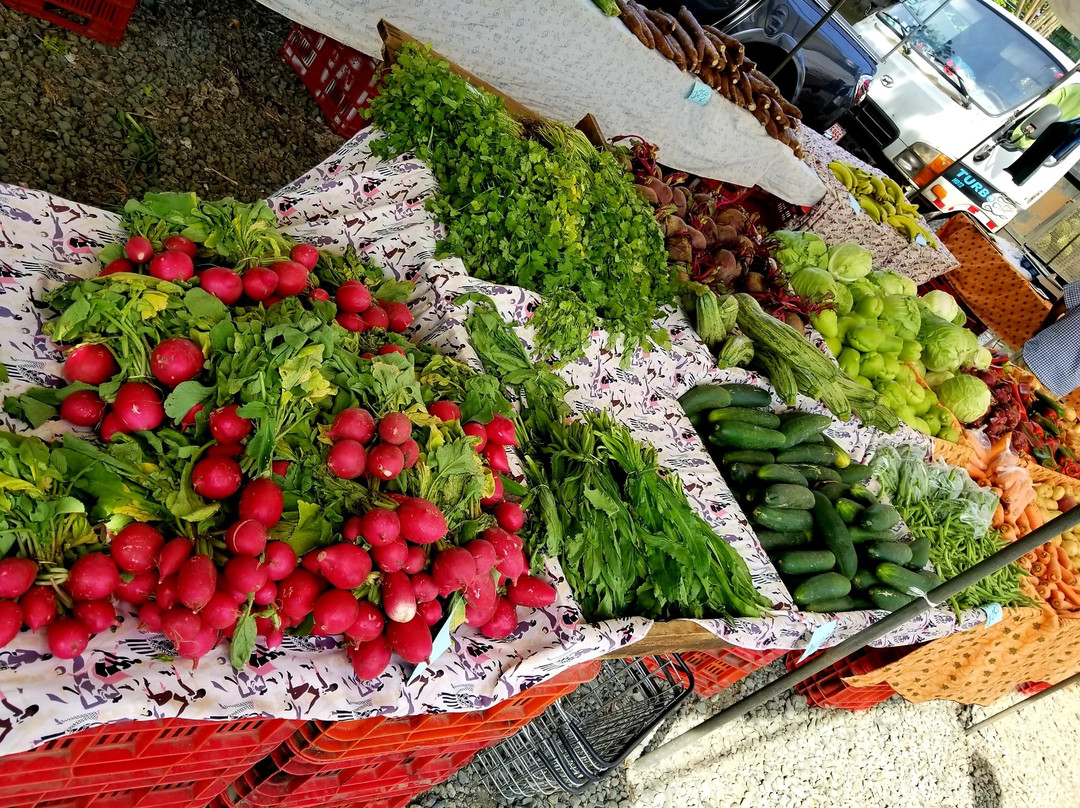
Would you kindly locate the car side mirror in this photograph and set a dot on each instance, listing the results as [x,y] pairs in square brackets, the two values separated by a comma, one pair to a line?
[1035,124]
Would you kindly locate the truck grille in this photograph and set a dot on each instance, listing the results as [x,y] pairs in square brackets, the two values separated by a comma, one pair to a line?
[878,126]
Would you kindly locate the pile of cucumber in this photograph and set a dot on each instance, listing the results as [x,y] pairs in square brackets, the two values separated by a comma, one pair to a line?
[824,530]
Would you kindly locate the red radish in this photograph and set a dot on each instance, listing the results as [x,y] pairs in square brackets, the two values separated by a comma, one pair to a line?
[220,612]
[370,659]
[453,568]
[380,526]
[111,426]
[172,265]
[320,295]
[398,316]
[181,244]
[367,354]
[351,529]
[179,625]
[483,554]
[247,537]
[305,255]
[511,560]
[395,428]
[292,278]
[503,621]
[385,461]
[68,637]
[150,616]
[139,406]
[83,408]
[262,501]
[297,593]
[259,282]
[224,450]
[228,427]
[424,587]
[344,565]
[389,349]
[136,591]
[415,560]
[352,297]
[368,624]
[346,459]
[223,283]
[500,430]
[280,467]
[189,416]
[352,424]
[165,593]
[196,581]
[350,322]
[176,360]
[16,576]
[280,560]
[266,595]
[410,640]
[495,456]
[375,317]
[480,593]
[274,637]
[430,612]
[216,477]
[398,598]
[390,557]
[497,496]
[136,547]
[421,521]
[201,645]
[90,363]
[117,265]
[445,410]
[310,562]
[139,249]
[529,591]
[245,574]
[510,516]
[92,577]
[334,612]
[410,450]
[10,621]
[475,429]
[97,615]
[172,555]
[38,606]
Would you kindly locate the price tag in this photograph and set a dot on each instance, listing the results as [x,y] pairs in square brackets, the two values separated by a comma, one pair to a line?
[818,637]
[441,641]
[855,206]
[700,93]
[993,613]
[921,239]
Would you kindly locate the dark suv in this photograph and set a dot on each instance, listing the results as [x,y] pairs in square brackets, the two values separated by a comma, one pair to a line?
[830,75]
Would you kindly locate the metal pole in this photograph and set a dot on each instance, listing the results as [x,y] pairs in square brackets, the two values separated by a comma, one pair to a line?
[813,30]
[1024,703]
[1000,559]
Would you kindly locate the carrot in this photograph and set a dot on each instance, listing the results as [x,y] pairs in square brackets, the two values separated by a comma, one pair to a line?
[999,515]
[1064,559]
[1070,594]
[1022,524]
[1034,515]
[1038,569]
[1024,564]
[1044,591]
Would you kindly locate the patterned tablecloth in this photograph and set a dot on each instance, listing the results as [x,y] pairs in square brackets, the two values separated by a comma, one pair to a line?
[352,199]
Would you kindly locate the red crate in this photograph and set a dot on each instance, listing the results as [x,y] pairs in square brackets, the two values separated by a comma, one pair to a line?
[342,80]
[828,690]
[103,20]
[715,670]
[1032,688]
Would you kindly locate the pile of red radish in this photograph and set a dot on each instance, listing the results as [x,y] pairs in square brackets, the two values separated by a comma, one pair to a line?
[357,312]
[356,452]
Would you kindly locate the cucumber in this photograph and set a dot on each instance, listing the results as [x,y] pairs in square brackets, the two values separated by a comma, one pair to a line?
[785,495]
[758,457]
[894,552]
[781,518]
[849,510]
[745,436]
[879,517]
[700,420]
[860,493]
[773,541]
[860,535]
[854,473]
[843,459]
[906,581]
[798,430]
[887,598]
[745,415]
[920,553]
[706,397]
[864,579]
[821,587]
[742,473]
[809,453]
[805,562]
[744,395]
[833,491]
[789,415]
[819,438]
[844,604]
[861,605]
[815,473]
[777,473]
[832,529]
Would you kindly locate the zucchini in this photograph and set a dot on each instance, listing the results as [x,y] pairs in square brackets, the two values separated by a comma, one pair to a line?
[832,529]
[833,491]
[920,553]
[887,598]
[854,473]
[844,604]
[706,397]
[809,453]
[773,541]
[843,459]
[823,586]
[895,552]
[805,562]
[745,415]
[849,510]
[742,473]
[745,436]
[781,518]
[758,457]
[785,495]
[799,430]
[860,493]
[778,473]
[744,395]
[879,517]
[860,535]
[864,579]
[906,581]
[815,473]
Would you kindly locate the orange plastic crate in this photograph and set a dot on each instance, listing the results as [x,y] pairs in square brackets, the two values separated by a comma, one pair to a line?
[827,688]
[102,20]
[715,670]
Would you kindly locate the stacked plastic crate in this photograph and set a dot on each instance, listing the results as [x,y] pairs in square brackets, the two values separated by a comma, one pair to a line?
[828,689]
[103,20]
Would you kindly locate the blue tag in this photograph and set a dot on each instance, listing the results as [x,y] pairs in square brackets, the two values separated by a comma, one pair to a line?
[855,206]
[920,239]
[700,93]
[993,613]
[441,641]
[818,637]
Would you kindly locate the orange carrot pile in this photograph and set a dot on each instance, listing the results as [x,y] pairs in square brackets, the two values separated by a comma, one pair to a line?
[996,467]
[1053,576]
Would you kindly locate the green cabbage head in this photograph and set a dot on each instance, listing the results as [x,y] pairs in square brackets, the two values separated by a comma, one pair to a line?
[967,396]
[849,262]
[945,346]
[941,304]
[813,283]
[890,283]
[904,314]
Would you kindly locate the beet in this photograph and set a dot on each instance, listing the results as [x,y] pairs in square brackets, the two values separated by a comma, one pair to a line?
[262,501]
[421,521]
[346,459]
[305,255]
[353,423]
[216,477]
[135,548]
[92,577]
[176,360]
[68,637]
[352,297]
[16,577]
[370,659]
[445,410]
[334,611]
[368,624]
[83,408]
[228,427]
[410,640]
[280,560]
[398,598]
[395,428]
[385,461]
[380,526]
[223,283]
[38,606]
[172,265]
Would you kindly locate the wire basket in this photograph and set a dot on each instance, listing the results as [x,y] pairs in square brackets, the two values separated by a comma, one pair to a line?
[585,735]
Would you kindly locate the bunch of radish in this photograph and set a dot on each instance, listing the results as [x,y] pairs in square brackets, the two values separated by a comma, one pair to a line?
[357,312]
[380,451]
[491,440]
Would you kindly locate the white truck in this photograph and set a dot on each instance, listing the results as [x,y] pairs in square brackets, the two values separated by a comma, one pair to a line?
[962,90]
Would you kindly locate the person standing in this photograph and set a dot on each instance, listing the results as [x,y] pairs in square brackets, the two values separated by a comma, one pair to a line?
[1053,354]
